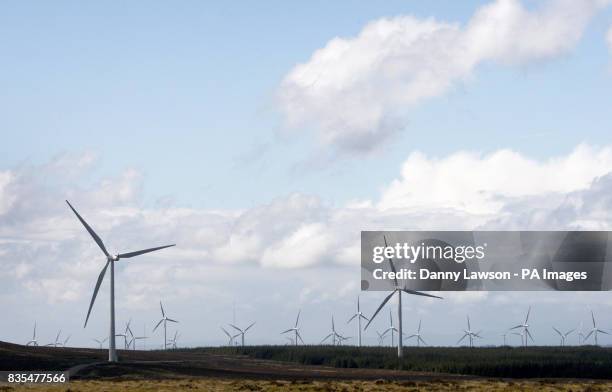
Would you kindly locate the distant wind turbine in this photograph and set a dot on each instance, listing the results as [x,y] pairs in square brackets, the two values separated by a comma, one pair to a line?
[525,327]
[33,342]
[295,330]
[230,337]
[57,341]
[110,260]
[164,320]
[242,331]
[381,337]
[594,331]
[563,336]
[172,342]
[359,315]
[468,333]
[397,289]
[100,342]
[417,335]
[335,336]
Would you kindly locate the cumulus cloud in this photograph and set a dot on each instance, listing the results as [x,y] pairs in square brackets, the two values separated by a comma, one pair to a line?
[355,92]
[484,183]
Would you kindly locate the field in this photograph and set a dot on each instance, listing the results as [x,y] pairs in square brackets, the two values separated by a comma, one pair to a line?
[319,368]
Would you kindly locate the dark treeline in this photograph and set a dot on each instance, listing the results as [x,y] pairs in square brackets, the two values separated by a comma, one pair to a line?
[567,362]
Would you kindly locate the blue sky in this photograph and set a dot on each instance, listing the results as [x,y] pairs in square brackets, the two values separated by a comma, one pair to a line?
[186,94]
[179,104]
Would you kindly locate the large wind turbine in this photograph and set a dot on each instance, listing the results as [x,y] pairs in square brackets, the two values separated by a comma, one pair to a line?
[525,328]
[296,330]
[417,335]
[594,331]
[563,336]
[242,331]
[33,342]
[397,289]
[164,319]
[110,260]
[359,316]
[469,334]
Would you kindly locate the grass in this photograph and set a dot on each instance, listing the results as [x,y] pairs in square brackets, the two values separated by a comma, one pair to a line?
[223,385]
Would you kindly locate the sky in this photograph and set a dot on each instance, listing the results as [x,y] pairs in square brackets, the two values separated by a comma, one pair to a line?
[262,138]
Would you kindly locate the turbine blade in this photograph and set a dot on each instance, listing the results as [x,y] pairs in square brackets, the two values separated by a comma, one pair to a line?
[157,325]
[529,334]
[297,320]
[391,263]
[247,328]
[162,309]
[169,319]
[351,319]
[593,316]
[364,317]
[463,337]
[379,308]
[325,338]
[557,331]
[140,252]
[235,327]
[602,331]
[289,330]
[468,320]
[90,230]
[422,340]
[227,333]
[419,329]
[95,293]
[300,337]
[518,326]
[527,318]
[413,292]
[588,335]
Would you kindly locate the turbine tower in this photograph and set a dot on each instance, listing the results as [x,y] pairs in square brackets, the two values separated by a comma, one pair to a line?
[525,326]
[594,331]
[470,334]
[110,260]
[359,316]
[563,336]
[33,342]
[164,319]
[397,289]
[418,337]
[295,329]
[242,331]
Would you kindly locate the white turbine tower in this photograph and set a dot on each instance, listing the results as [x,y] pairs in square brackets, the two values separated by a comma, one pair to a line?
[594,331]
[242,331]
[110,260]
[359,316]
[525,326]
[563,336]
[470,334]
[33,342]
[397,289]
[417,335]
[296,330]
[164,319]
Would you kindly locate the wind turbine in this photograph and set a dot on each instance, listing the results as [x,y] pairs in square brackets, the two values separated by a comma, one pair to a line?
[381,337]
[110,260]
[242,331]
[417,335]
[100,342]
[397,290]
[595,330]
[172,342]
[164,319]
[504,336]
[580,334]
[563,335]
[391,328]
[295,329]
[230,337]
[470,334]
[65,341]
[335,336]
[33,342]
[57,342]
[359,316]
[525,328]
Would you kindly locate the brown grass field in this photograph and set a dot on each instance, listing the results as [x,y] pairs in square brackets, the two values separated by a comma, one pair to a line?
[222,385]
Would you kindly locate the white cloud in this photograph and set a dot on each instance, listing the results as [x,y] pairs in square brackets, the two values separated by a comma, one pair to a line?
[355,91]
[484,183]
